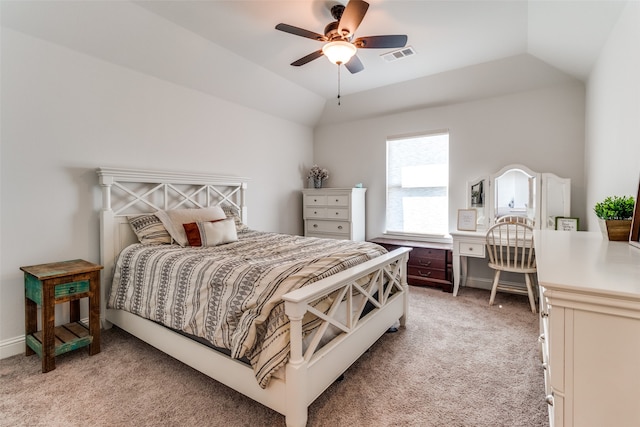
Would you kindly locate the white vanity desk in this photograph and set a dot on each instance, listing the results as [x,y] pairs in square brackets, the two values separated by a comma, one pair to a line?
[590,328]
[465,244]
[542,197]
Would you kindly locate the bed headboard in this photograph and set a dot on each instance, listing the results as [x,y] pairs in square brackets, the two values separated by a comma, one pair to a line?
[127,192]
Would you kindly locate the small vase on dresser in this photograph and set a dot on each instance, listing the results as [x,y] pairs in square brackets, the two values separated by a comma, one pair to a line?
[334,213]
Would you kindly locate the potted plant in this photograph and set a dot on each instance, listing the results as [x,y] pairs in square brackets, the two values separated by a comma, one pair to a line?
[615,213]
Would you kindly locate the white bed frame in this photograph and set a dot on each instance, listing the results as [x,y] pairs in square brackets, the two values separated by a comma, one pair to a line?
[308,373]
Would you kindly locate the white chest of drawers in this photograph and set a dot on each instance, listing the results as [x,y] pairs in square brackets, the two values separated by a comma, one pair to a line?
[334,213]
[590,328]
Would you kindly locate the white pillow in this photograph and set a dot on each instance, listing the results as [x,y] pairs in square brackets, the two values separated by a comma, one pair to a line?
[218,232]
[174,218]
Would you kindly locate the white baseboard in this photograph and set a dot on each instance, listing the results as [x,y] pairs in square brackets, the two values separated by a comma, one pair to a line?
[11,347]
[482,283]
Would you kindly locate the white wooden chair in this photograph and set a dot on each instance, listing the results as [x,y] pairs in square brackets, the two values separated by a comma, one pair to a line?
[510,247]
[516,219]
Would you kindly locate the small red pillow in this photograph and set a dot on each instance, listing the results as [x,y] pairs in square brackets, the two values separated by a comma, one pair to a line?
[193,232]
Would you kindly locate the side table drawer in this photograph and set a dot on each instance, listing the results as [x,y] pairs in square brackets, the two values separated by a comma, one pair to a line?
[422,262]
[73,288]
[427,273]
[430,253]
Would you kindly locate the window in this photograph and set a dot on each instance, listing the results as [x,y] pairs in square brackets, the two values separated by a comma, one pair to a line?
[418,185]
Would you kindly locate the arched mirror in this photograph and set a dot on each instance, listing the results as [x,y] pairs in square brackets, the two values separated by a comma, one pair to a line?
[515,193]
[517,190]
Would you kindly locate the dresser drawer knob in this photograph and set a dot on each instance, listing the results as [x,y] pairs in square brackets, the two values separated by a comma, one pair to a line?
[337,213]
[544,314]
[470,248]
[315,225]
[426,264]
[541,338]
[544,366]
[337,200]
[427,274]
[339,227]
[315,212]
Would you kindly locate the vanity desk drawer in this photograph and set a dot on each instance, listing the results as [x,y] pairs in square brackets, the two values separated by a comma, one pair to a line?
[472,249]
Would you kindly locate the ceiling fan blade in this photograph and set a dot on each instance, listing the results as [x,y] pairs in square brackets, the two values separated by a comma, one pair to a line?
[354,65]
[381,42]
[352,16]
[300,32]
[315,55]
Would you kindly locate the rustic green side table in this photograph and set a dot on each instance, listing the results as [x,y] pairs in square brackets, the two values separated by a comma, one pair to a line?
[49,284]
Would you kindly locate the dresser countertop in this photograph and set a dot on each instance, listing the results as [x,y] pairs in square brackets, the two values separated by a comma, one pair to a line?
[586,262]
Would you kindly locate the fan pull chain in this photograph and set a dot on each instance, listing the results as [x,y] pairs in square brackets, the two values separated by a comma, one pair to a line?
[338,84]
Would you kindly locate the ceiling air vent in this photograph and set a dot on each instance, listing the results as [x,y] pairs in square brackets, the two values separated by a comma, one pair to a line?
[398,54]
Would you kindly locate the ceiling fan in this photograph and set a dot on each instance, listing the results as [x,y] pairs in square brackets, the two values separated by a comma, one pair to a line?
[341,47]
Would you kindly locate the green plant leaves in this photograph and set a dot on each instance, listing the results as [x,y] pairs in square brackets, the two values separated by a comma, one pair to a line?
[615,207]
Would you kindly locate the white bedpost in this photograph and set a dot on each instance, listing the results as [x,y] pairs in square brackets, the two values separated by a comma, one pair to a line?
[243,205]
[106,246]
[405,287]
[296,372]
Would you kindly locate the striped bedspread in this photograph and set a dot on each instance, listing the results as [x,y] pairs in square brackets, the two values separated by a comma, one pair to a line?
[231,294]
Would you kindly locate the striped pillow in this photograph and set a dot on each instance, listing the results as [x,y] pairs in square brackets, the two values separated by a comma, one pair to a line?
[149,229]
[232,212]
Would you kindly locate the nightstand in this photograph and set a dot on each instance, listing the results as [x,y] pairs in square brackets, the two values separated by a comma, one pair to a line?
[429,263]
[49,284]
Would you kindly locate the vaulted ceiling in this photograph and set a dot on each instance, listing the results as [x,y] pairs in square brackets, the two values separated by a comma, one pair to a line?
[209,45]
[446,35]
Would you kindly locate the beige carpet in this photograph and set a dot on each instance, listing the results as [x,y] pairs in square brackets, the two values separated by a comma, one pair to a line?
[458,362]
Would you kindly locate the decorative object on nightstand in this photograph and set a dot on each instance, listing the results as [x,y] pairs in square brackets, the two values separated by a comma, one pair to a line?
[318,174]
[334,213]
[49,284]
[614,216]
[430,263]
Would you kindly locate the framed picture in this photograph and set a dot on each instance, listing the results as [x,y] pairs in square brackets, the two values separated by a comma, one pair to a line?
[564,223]
[634,236]
[467,219]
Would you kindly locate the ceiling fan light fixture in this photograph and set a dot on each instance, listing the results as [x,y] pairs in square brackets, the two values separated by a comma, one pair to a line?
[339,52]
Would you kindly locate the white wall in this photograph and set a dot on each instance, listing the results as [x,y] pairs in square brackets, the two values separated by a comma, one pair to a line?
[542,129]
[612,160]
[65,113]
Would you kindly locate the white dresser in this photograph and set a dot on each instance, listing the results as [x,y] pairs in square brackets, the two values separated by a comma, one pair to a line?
[590,328]
[334,213]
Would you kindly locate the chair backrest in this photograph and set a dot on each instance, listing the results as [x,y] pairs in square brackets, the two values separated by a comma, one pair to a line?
[510,247]
[518,219]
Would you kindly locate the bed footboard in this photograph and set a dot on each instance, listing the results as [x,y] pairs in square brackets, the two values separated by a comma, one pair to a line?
[382,283]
